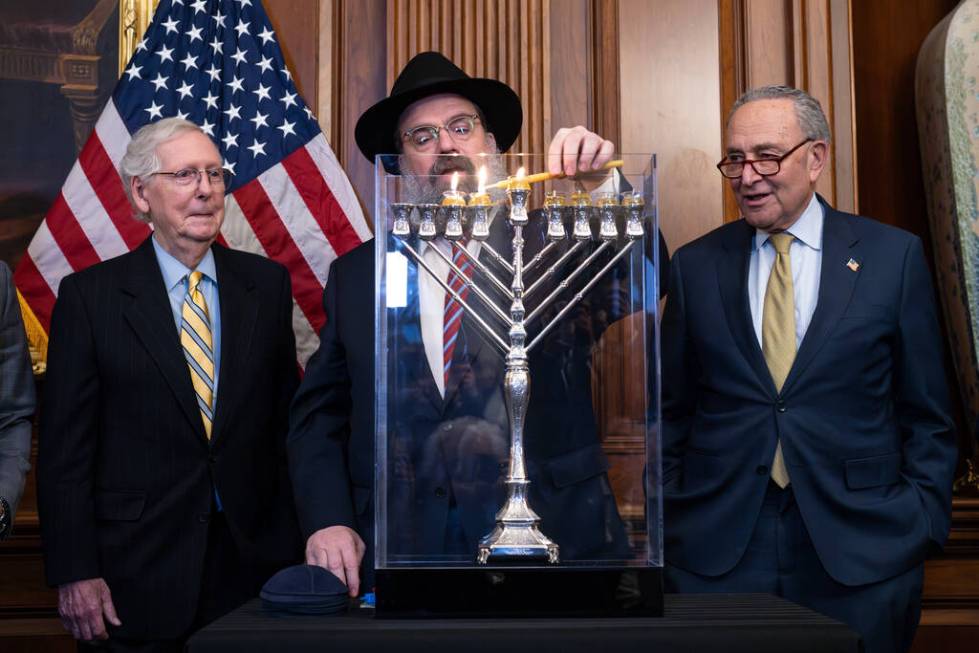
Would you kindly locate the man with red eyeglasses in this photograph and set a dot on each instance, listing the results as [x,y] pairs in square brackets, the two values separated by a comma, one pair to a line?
[808,449]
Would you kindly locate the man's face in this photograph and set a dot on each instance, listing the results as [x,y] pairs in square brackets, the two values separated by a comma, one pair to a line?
[183,215]
[438,111]
[767,129]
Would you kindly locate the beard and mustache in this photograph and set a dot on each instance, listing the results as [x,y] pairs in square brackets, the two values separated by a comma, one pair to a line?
[427,188]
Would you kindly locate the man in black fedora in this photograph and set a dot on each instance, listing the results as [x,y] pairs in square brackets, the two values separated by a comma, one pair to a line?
[444,486]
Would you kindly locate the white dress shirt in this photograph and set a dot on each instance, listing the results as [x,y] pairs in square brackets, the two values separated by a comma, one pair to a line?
[807,259]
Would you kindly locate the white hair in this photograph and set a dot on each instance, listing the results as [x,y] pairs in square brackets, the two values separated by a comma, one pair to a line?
[808,111]
[141,159]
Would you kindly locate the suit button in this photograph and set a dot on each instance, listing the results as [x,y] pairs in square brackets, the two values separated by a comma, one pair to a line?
[204,517]
[440,492]
[761,470]
[447,426]
[780,406]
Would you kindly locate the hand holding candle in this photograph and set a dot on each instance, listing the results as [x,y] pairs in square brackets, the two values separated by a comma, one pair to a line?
[546,176]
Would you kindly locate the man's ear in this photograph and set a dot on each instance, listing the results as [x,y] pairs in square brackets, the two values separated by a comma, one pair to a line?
[818,157]
[138,187]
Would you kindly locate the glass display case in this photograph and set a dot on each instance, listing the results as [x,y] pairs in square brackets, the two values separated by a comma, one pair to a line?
[518,389]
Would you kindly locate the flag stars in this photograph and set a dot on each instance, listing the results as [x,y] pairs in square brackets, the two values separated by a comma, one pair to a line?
[309,114]
[171,25]
[216,45]
[236,84]
[182,115]
[265,64]
[229,166]
[208,128]
[185,91]
[133,71]
[199,6]
[219,18]
[155,110]
[211,100]
[285,71]
[165,54]
[233,112]
[160,81]
[189,61]
[230,140]
[262,92]
[260,119]
[287,128]
[195,34]
[257,148]
[239,55]
[289,99]
[245,3]
[214,72]
[141,46]
[242,28]
[266,35]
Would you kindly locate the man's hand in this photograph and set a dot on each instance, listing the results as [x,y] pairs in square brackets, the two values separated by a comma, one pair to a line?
[340,550]
[81,605]
[578,151]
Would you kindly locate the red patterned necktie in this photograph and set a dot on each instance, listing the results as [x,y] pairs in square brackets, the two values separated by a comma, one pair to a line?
[452,316]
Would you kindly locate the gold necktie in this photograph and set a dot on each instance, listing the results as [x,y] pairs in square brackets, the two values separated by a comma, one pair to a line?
[195,336]
[778,331]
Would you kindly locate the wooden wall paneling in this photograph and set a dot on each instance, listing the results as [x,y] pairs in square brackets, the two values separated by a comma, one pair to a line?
[361,48]
[607,90]
[801,43]
[670,81]
[326,53]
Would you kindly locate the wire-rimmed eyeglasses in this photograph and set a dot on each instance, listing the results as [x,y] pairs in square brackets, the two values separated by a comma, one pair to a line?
[424,137]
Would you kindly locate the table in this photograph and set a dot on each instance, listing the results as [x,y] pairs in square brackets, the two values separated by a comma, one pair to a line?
[752,623]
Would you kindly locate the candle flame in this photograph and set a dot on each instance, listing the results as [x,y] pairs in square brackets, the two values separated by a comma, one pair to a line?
[455,180]
[482,180]
[520,173]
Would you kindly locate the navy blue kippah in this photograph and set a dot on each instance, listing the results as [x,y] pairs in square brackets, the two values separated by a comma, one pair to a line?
[305,589]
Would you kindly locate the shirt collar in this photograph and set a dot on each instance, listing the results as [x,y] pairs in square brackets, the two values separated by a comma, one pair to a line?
[174,272]
[808,229]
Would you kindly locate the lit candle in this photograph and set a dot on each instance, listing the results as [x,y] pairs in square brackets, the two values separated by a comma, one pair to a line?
[453,197]
[519,182]
[480,198]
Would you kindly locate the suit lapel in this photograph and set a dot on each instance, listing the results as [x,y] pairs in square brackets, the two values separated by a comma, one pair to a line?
[239,310]
[732,277]
[836,284]
[151,318]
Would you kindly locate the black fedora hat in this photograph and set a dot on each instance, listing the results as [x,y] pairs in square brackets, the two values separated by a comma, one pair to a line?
[426,74]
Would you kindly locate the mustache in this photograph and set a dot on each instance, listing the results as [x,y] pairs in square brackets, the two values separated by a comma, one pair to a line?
[458,162]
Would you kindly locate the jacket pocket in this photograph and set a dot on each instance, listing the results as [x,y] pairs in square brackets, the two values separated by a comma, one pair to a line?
[576,466]
[119,505]
[873,471]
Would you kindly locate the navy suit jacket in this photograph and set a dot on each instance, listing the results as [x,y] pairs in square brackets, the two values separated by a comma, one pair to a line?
[863,416]
[126,474]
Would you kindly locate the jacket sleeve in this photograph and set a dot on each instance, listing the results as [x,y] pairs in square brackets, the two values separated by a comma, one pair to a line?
[68,442]
[921,397]
[680,374]
[319,428]
[16,397]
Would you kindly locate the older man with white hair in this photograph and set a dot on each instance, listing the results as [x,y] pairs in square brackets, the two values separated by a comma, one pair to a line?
[163,491]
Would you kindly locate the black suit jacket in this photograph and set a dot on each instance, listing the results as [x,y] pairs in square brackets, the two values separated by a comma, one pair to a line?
[332,427]
[126,473]
[863,416]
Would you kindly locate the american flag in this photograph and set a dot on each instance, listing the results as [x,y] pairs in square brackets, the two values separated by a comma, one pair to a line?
[217,63]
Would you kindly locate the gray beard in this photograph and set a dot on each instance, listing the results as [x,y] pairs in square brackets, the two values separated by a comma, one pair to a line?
[428,189]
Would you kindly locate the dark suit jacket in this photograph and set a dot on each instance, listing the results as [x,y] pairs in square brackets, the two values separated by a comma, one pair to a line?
[863,416]
[331,440]
[16,399]
[126,474]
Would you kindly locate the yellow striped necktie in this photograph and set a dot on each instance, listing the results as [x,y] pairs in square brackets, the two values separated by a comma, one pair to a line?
[195,336]
[778,331]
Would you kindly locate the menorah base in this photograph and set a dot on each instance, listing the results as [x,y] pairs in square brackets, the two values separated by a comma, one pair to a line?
[512,542]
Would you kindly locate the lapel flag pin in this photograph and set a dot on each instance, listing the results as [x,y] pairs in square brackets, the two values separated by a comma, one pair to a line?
[853,265]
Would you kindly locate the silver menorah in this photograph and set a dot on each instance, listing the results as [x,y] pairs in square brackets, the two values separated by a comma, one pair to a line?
[517,533]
